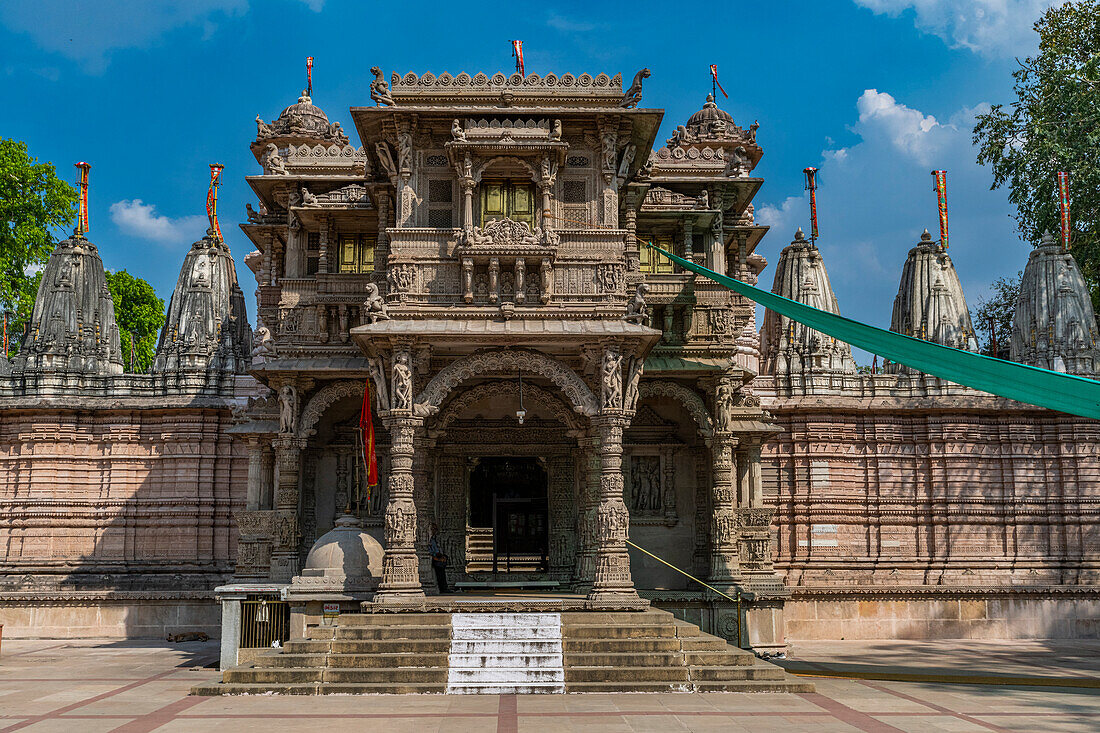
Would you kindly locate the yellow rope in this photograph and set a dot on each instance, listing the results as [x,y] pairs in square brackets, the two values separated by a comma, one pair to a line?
[681,572]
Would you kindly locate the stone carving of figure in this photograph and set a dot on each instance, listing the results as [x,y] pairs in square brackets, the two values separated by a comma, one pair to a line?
[636,310]
[335,132]
[378,376]
[402,382]
[276,166]
[723,402]
[555,131]
[288,408]
[607,139]
[400,278]
[703,201]
[404,151]
[467,167]
[752,130]
[738,163]
[264,343]
[374,307]
[308,199]
[546,278]
[628,159]
[634,93]
[457,132]
[263,130]
[253,216]
[379,89]
[633,379]
[385,158]
[612,379]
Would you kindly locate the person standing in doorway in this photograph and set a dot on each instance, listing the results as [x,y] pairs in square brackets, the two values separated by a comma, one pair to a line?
[439,559]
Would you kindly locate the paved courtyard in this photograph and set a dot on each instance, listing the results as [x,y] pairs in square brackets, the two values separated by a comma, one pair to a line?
[93,686]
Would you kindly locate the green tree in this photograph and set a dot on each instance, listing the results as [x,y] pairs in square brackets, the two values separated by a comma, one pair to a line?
[997,310]
[1054,125]
[139,314]
[34,202]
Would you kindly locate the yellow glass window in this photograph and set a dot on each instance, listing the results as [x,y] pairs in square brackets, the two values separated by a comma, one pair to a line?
[357,253]
[654,263]
[512,199]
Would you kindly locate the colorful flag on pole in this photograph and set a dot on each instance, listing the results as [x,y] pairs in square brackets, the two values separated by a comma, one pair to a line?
[309,76]
[1063,200]
[811,186]
[941,195]
[366,429]
[517,54]
[714,78]
[212,200]
[82,213]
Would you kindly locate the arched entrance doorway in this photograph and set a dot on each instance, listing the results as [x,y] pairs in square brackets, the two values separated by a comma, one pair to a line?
[509,497]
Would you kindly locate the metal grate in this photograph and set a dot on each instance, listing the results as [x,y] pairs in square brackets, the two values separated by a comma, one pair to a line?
[440,218]
[264,621]
[439,191]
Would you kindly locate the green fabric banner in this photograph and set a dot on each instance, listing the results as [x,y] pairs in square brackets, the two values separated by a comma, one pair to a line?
[1054,390]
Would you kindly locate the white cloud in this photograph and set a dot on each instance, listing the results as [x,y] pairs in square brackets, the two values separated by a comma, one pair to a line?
[909,131]
[138,219]
[988,27]
[786,217]
[87,32]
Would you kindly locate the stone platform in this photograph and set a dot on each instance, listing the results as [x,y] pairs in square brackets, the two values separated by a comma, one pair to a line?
[499,652]
[505,601]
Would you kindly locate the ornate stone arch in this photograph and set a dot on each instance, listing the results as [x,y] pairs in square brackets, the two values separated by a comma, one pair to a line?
[532,394]
[480,169]
[691,402]
[325,398]
[507,361]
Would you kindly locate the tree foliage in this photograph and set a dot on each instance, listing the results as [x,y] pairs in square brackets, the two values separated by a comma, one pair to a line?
[997,310]
[140,316]
[34,202]
[1054,125]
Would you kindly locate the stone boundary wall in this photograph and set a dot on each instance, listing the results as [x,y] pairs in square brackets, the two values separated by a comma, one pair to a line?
[930,497]
[116,522]
[1006,613]
[102,616]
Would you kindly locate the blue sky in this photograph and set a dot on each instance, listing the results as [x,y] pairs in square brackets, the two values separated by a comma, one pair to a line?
[875,93]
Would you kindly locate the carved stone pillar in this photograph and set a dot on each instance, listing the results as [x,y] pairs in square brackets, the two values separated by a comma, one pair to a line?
[424,501]
[322,248]
[724,567]
[494,280]
[468,185]
[322,323]
[585,571]
[267,488]
[520,280]
[689,243]
[255,474]
[284,554]
[451,473]
[400,572]
[468,280]
[266,265]
[342,314]
[612,578]
[754,477]
[631,244]
[383,251]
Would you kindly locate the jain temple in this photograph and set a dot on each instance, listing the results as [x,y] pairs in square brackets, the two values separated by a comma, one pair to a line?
[576,422]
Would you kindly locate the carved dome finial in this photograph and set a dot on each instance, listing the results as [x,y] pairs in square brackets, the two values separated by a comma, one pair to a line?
[1048,238]
[799,236]
[926,236]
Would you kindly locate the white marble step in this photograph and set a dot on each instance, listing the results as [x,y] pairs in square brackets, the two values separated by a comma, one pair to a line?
[500,653]
[512,658]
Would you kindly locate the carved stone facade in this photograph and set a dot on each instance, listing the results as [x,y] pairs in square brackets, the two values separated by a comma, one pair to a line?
[548,395]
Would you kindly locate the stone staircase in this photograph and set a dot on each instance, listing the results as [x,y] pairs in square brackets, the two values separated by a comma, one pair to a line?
[572,651]
[479,556]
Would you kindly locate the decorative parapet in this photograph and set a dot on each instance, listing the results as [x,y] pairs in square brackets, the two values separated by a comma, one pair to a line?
[410,82]
[310,159]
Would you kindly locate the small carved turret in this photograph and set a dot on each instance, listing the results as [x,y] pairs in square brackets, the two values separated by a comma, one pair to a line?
[72,328]
[207,326]
[1054,326]
[788,347]
[930,304]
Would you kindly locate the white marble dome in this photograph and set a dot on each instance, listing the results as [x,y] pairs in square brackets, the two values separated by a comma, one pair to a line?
[347,549]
